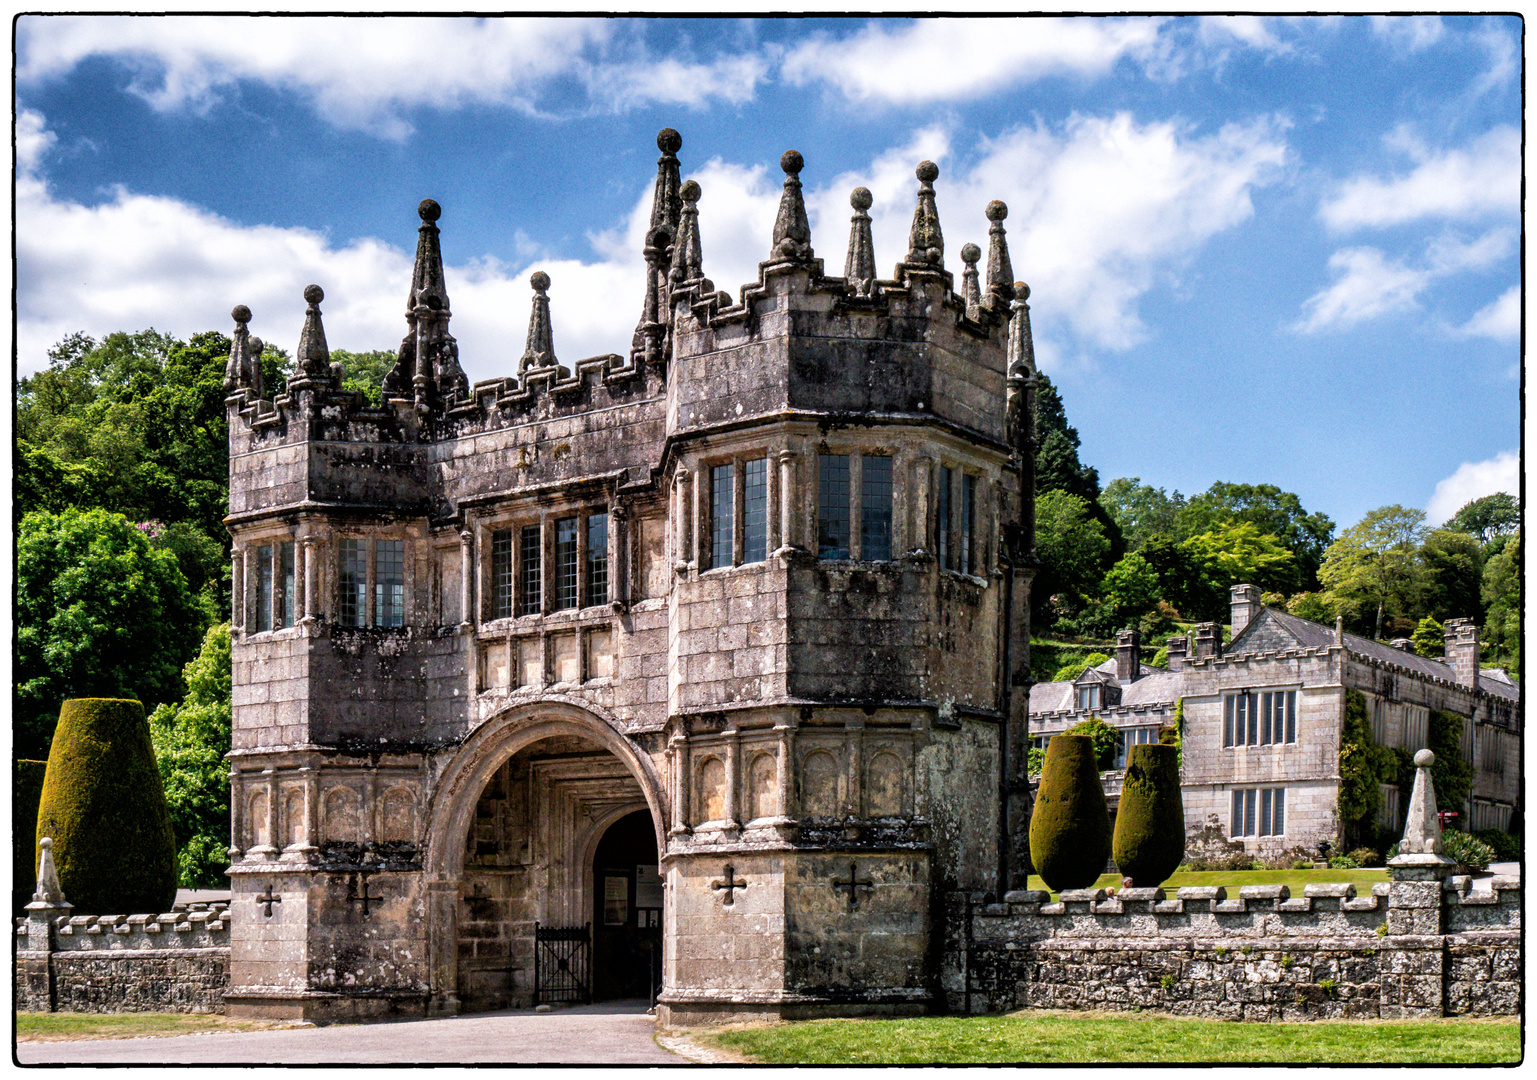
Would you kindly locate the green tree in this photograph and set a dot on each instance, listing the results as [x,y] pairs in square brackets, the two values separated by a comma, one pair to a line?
[99,613]
[1106,740]
[1070,671]
[364,372]
[1140,510]
[1273,512]
[1429,638]
[1131,587]
[1237,553]
[1183,579]
[1375,565]
[191,739]
[1454,570]
[1502,597]
[1311,605]
[1493,515]
[1057,467]
[1072,549]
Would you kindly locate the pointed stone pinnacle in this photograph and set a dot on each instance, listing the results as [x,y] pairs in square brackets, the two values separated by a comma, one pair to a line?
[970,291]
[925,242]
[236,371]
[540,351]
[313,357]
[687,254]
[859,270]
[1021,346]
[49,893]
[1000,274]
[666,204]
[792,232]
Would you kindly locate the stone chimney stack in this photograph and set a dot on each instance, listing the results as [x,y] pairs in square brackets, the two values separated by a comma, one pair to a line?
[1208,640]
[1245,606]
[1128,655]
[1462,650]
[1179,648]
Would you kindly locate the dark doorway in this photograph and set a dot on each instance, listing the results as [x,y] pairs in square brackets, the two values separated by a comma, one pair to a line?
[627,911]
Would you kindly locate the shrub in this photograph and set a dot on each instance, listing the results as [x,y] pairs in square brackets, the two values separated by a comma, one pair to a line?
[1302,864]
[1469,851]
[1365,856]
[1106,739]
[103,805]
[25,792]
[1149,839]
[1074,668]
[1506,848]
[1343,862]
[1070,827]
[1256,864]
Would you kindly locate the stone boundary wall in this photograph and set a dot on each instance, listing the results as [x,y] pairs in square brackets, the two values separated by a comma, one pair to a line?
[1409,949]
[177,961]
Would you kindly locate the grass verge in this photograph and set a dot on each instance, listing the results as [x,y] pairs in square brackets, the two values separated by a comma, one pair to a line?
[1234,879]
[1074,1038]
[63,1026]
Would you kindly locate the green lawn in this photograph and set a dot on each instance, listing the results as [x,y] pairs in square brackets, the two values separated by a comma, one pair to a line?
[54,1027]
[1071,1038]
[1234,879]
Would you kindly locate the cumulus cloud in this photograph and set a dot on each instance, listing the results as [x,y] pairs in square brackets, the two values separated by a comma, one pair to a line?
[1480,179]
[1102,209]
[1409,32]
[1366,284]
[955,59]
[1500,320]
[1474,480]
[363,74]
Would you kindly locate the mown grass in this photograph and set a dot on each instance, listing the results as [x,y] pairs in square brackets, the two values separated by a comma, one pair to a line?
[1074,1038]
[60,1026]
[1233,880]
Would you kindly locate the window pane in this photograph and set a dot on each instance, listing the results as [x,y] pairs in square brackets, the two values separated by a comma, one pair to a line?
[565,563]
[1227,720]
[833,507]
[755,511]
[722,528]
[1291,716]
[1264,708]
[353,583]
[875,509]
[968,524]
[1248,812]
[1251,709]
[501,574]
[942,524]
[263,588]
[390,583]
[1279,821]
[1264,812]
[597,559]
[1235,824]
[530,557]
[286,577]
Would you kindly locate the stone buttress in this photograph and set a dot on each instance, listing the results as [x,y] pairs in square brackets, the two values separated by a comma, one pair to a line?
[764,577]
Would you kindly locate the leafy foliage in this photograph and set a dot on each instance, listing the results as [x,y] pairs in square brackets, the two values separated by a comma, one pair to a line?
[1131,588]
[190,740]
[364,372]
[1429,638]
[1237,552]
[1501,592]
[1140,510]
[1488,517]
[1373,569]
[1469,851]
[1363,766]
[1073,551]
[103,806]
[1451,776]
[1454,566]
[1272,512]
[99,612]
[1074,668]
[1106,739]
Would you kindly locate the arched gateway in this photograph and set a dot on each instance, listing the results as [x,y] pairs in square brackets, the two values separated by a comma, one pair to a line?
[760,580]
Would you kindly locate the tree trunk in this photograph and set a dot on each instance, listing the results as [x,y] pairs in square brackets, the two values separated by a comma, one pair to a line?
[1377,636]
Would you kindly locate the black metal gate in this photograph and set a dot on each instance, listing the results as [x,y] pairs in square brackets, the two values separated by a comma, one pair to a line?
[563,964]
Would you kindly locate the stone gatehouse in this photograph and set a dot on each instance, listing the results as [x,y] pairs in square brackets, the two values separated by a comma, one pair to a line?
[701,665]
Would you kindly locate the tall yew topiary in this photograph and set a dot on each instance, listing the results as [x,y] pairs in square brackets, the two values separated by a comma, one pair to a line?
[104,807]
[1149,837]
[1070,826]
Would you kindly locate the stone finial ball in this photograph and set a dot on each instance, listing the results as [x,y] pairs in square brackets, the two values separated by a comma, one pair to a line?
[669,141]
[691,192]
[970,254]
[313,294]
[861,199]
[257,345]
[1424,759]
[792,162]
[928,172]
[1021,291]
[996,210]
[45,842]
[539,280]
[241,313]
[429,210]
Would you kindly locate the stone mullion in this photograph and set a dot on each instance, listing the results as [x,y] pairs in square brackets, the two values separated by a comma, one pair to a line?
[683,520]
[310,546]
[618,557]
[922,507]
[237,589]
[733,759]
[854,741]
[856,506]
[466,579]
[236,814]
[783,804]
[678,745]
[788,535]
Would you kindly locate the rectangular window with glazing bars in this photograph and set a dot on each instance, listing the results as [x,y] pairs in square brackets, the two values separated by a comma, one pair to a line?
[501,574]
[597,559]
[263,588]
[565,563]
[833,506]
[942,522]
[352,582]
[755,511]
[286,582]
[968,524]
[722,522]
[530,580]
[875,509]
[390,583]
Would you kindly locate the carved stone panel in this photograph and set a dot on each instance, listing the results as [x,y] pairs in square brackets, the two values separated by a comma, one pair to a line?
[762,786]
[884,785]
[398,815]
[710,801]
[343,817]
[819,785]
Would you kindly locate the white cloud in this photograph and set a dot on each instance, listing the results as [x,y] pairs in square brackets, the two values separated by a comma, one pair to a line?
[1409,32]
[1500,320]
[1504,58]
[362,73]
[33,140]
[1102,209]
[1367,284]
[1480,179]
[1253,31]
[955,59]
[1474,480]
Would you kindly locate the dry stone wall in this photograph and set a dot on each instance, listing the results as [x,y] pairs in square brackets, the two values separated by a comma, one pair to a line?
[1409,949]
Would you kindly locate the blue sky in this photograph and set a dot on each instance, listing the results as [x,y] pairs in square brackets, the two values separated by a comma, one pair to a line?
[1280,250]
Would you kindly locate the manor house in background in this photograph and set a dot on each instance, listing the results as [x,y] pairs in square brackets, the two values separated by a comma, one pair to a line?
[1263,718]
[696,668]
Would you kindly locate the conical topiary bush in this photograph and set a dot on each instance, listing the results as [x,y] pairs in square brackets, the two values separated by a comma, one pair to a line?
[105,809]
[1070,826]
[1150,823]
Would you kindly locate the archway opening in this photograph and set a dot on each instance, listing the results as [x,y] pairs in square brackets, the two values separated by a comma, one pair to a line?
[627,911]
